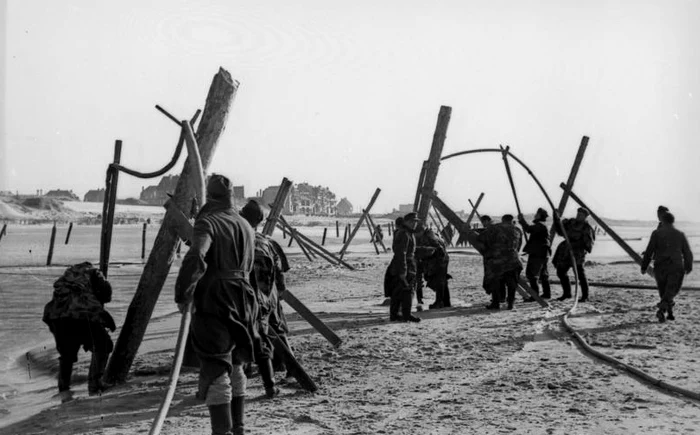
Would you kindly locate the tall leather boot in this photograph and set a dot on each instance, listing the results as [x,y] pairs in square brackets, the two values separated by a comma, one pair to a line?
[65,370]
[546,290]
[220,416]
[446,295]
[394,306]
[268,377]
[565,286]
[237,414]
[406,301]
[97,369]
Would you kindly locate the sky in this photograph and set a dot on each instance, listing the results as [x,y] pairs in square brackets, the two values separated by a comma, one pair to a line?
[346,95]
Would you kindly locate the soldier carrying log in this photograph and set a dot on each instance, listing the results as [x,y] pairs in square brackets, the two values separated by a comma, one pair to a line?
[214,275]
[582,238]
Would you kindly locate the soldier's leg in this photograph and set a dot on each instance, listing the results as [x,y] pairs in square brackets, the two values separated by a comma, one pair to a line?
[101,348]
[544,280]
[407,300]
[674,283]
[396,299]
[532,271]
[583,282]
[511,282]
[562,273]
[67,344]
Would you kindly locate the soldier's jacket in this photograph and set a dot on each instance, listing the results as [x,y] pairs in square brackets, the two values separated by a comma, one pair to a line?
[499,244]
[438,258]
[582,237]
[80,293]
[538,244]
[403,247]
[669,249]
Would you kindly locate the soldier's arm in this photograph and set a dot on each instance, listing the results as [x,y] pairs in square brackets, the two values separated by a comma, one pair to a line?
[279,275]
[687,255]
[525,226]
[100,286]
[400,248]
[557,226]
[649,252]
[193,265]
[477,241]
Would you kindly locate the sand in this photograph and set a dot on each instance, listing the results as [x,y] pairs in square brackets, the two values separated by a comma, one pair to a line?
[461,370]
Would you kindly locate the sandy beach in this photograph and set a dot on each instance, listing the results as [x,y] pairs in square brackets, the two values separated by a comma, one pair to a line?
[461,370]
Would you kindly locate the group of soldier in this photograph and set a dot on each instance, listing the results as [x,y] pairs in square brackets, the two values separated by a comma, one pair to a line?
[420,254]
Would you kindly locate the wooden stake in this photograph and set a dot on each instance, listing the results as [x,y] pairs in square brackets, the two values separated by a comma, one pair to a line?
[359,223]
[51,243]
[510,180]
[419,189]
[155,272]
[310,317]
[345,234]
[431,171]
[323,240]
[276,207]
[108,220]
[570,182]
[143,241]
[323,252]
[3,231]
[371,221]
[337,229]
[70,229]
[371,234]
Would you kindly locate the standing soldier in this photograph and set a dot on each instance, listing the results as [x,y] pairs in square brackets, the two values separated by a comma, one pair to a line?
[433,266]
[538,250]
[499,244]
[268,273]
[672,258]
[214,275]
[402,270]
[582,238]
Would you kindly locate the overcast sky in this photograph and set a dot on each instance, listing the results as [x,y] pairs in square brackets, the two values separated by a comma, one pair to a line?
[346,95]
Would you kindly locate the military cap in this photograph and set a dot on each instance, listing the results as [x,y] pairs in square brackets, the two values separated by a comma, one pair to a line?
[662,209]
[412,216]
[485,218]
[584,211]
[542,212]
[252,212]
[507,218]
[219,187]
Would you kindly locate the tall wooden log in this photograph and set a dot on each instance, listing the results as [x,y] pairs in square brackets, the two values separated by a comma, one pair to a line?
[512,183]
[419,189]
[155,272]
[143,241]
[359,222]
[49,257]
[70,230]
[3,231]
[431,171]
[323,240]
[276,207]
[337,229]
[478,216]
[108,209]
[570,182]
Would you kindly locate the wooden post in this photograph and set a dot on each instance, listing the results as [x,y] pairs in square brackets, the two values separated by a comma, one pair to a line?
[155,272]
[276,207]
[371,234]
[570,181]
[431,171]
[323,252]
[371,222]
[345,234]
[323,240]
[337,229]
[478,216]
[291,240]
[108,214]
[310,317]
[512,184]
[627,248]
[143,241]
[51,243]
[419,189]
[70,229]
[474,208]
[3,231]
[359,223]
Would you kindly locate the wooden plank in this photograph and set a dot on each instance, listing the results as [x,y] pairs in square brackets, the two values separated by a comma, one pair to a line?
[627,248]
[108,210]
[310,317]
[276,207]
[525,286]
[371,234]
[371,221]
[359,223]
[419,189]
[504,153]
[475,210]
[52,240]
[320,249]
[431,171]
[570,182]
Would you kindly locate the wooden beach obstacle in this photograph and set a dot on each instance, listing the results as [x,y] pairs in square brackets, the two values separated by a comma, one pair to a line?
[570,182]
[363,217]
[430,168]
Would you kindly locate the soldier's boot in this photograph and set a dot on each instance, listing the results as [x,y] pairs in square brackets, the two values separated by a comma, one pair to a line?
[65,370]
[660,315]
[670,315]
[446,296]
[268,377]
[97,369]
[220,416]
[546,290]
[566,288]
[495,302]
[394,309]
[237,414]
[406,301]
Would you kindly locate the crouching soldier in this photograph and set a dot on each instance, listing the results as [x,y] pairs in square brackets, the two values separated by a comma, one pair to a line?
[268,280]
[76,317]
[401,274]
[214,275]
[672,259]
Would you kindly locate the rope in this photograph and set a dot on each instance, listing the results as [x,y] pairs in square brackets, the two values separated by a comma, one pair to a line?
[633,371]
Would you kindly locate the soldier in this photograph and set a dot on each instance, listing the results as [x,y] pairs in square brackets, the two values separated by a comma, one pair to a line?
[76,317]
[378,234]
[538,250]
[434,266]
[267,279]
[402,270]
[582,238]
[672,258]
[499,244]
[214,275]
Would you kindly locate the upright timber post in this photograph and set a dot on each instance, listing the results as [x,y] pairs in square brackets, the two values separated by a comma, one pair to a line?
[276,208]
[431,171]
[570,181]
[419,189]
[359,223]
[221,95]
[108,209]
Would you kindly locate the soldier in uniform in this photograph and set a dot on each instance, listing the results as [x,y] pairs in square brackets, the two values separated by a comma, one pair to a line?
[582,237]
[267,279]
[538,250]
[669,249]
[76,317]
[499,244]
[214,275]
[433,266]
[402,270]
